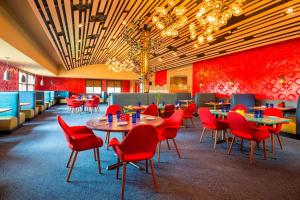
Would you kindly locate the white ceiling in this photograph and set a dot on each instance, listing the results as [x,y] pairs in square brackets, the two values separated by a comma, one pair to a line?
[20,60]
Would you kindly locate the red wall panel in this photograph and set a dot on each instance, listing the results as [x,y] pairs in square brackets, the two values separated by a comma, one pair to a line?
[125,86]
[161,77]
[255,71]
[13,83]
[74,85]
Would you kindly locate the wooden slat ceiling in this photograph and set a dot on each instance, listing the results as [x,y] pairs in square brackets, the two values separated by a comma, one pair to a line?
[263,22]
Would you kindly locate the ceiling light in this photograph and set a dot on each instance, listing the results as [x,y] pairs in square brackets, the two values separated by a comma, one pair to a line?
[196,46]
[6,72]
[79,41]
[160,59]
[174,53]
[23,79]
[80,25]
[124,23]
[42,81]
[289,11]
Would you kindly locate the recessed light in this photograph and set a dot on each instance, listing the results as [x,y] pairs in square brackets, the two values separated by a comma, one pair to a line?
[290,11]
[80,25]
[196,45]
[160,59]
[79,41]
[124,23]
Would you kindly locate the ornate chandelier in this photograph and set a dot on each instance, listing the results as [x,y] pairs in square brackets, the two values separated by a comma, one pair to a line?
[117,66]
[169,20]
[212,16]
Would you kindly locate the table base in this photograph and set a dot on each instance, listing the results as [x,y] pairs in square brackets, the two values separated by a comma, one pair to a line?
[114,166]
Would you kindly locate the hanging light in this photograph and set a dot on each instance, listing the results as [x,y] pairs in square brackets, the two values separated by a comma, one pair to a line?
[23,79]
[42,81]
[6,76]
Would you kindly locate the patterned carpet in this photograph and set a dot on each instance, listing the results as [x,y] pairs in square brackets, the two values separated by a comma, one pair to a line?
[33,158]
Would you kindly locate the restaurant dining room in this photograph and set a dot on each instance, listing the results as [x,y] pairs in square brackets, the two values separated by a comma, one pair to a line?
[156,99]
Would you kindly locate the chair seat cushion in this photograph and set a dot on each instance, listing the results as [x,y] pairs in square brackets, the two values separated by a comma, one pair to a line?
[62,101]
[8,123]
[84,142]
[137,157]
[22,118]
[29,113]
[259,134]
[81,130]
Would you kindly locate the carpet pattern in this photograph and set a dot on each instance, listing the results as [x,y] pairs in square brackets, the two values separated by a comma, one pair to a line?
[33,159]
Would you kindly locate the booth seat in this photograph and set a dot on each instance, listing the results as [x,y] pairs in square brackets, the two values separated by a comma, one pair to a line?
[22,118]
[60,96]
[9,119]
[165,98]
[29,110]
[43,99]
[124,99]
[290,127]
[246,99]
[52,98]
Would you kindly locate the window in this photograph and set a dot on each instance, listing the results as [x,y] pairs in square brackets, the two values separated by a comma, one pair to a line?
[26,81]
[93,86]
[114,86]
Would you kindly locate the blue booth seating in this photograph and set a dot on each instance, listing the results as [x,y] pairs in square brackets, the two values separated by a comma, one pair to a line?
[40,101]
[47,99]
[52,98]
[11,119]
[183,96]
[61,96]
[202,98]
[165,98]
[247,99]
[30,110]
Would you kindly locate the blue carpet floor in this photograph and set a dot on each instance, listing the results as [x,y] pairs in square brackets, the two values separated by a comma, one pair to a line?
[33,158]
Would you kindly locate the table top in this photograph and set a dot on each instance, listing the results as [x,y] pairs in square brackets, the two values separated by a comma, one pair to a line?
[24,104]
[217,104]
[4,110]
[268,120]
[264,107]
[186,100]
[103,125]
[132,107]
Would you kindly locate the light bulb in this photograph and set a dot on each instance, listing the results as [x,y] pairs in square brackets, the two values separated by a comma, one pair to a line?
[160,25]
[201,39]
[179,10]
[210,38]
[155,19]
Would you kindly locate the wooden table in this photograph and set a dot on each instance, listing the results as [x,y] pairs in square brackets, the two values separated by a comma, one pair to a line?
[267,120]
[83,100]
[103,125]
[280,108]
[24,104]
[135,108]
[4,110]
[217,104]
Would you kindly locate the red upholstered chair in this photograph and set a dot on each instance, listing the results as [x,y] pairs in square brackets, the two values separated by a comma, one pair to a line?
[93,104]
[113,110]
[151,110]
[189,112]
[138,145]
[274,130]
[74,106]
[240,107]
[241,128]
[80,138]
[210,122]
[168,110]
[169,129]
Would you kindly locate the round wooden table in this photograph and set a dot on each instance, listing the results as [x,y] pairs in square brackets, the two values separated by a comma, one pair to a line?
[102,125]
[135,108]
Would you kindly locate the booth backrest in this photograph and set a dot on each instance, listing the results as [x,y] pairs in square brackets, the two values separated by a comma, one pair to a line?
[40,96]
[52,95]
[123,99]
[202,98]
[27,97]
[62,94]
[47,97]
[246,99]
[183,96]
[298,117]
[10,100]
[165,97]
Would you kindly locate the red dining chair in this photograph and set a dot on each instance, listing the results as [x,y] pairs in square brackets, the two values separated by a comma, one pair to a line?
[138,145]
[240,107]
[241,128]
[151,110]
[275,112]
[93,104]
[189,112]
[113,110]
[210,122]
[169,129]
[168,110]
[80,138]
[74,106]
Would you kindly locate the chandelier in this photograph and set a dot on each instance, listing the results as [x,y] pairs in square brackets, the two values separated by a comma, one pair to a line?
[212,16]
[169,20]
[117,66]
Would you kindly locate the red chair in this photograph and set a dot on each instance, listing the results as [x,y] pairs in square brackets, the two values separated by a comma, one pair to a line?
[74,105]
[275,112]
[240,107]
[209,121]
[93,104]
[169,129]
[113,110]
[168,110]
[151,110]
[189,112]
[80,138]
[241,128]
[138,145]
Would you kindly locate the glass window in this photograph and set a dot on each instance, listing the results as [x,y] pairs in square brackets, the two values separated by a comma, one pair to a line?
[93,86]
[114,86]
[26,81]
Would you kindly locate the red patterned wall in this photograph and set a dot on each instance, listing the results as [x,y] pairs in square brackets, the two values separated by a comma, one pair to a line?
[253,71]
[13,83]
[125,86]
[161,77]
[74,85]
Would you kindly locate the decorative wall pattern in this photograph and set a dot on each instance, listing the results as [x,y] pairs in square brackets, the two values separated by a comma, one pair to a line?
[161,78]
[13,83]
[255,71]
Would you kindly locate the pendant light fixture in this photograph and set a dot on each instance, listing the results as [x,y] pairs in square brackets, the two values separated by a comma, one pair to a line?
[6,72]
[23,78]
[42,81]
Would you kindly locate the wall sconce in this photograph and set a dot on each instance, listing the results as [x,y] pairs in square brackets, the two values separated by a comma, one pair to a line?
[42,81]
[201,84]
[6,76]
[282,80]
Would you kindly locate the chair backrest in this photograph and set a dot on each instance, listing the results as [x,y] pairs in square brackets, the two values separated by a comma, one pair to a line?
[190,109]
[273,112]
[141,139]
[176,118]
[240,107]
[151,110]
[69,102]
[172,124]
[207,118]
[238,123]
[169,110]
[113,109]
[66,128]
